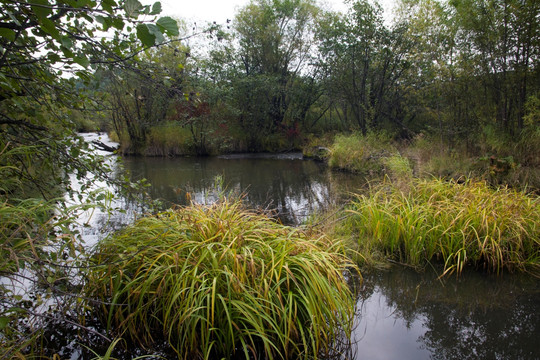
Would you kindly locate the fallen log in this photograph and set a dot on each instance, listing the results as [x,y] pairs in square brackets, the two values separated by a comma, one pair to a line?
[101,146]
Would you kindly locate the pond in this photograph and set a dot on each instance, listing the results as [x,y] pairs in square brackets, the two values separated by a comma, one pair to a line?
[400,314]
[285,184]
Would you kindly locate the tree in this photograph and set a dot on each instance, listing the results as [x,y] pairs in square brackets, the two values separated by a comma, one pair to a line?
[472,63]
[504,38]
[364,61]
[50,47]
[275,48]
[439,71]
[141,97]
[49,52]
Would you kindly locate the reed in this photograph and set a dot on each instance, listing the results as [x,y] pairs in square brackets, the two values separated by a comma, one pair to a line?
[458,224]
[219,281]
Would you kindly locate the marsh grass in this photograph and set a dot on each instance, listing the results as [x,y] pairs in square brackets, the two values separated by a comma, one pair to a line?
[169,140]
[219,281]
[360,154]
[457,224]
[489,154]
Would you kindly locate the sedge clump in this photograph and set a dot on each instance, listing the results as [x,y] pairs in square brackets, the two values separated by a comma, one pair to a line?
[219,281]
[456,223]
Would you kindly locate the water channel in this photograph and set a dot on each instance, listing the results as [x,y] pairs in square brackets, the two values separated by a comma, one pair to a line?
[400,314]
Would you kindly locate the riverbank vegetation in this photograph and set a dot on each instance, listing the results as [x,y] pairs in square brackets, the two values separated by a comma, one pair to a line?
[455,223]
[221,281]
[452,86]
[49,56]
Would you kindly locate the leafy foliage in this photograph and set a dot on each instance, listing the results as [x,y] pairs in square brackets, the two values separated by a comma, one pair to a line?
[49,52]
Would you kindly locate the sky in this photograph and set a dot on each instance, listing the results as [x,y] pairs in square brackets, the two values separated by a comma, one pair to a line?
[221,10]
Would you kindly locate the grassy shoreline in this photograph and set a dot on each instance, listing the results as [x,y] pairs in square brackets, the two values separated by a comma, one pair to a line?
[456,224]
[494,158]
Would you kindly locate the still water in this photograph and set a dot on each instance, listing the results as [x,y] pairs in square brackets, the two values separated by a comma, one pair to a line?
[406,315]
[400,314]
[291,188]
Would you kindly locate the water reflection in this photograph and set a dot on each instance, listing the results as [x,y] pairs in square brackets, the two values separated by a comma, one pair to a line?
[405,315]
[293,187]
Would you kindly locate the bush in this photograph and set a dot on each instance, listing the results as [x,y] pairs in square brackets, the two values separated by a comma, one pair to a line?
[219,281]
[456,224]
[169,140]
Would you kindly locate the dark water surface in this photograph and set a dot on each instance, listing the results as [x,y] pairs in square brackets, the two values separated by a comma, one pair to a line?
[406,315]
[293,188]
[400,314]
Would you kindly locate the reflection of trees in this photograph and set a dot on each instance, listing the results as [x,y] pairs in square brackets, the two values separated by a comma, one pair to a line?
[504,332]
[293,189]
[475,317]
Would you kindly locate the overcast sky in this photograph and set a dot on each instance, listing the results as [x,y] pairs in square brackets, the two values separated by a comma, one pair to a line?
[221,10]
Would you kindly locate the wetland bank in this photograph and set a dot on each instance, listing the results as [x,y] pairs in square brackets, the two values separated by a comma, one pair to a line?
[400,312]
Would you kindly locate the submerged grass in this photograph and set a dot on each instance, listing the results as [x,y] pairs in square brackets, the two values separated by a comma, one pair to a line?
[222,282]
[457,224]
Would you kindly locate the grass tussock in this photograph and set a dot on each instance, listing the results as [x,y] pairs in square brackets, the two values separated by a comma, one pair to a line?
[360,154]
[222,282]
[458,224]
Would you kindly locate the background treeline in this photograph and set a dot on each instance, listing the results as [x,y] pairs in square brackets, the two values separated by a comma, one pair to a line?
[457,70]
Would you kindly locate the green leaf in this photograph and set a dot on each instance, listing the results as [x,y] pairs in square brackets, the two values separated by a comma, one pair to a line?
[42,9]
[154,30]
[143,33]
[66,42]
[118,23]
[76,3]
[4,321]
[105,22]
[87,17]
[13,18]
[67,52]
[156,8]
[132,8]
[82,60]
[53,57]
[7,34]
[169,25]
[50,28]
[108,5]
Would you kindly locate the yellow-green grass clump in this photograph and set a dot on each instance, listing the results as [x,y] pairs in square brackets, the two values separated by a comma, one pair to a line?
[220,281]
[457,224]
[360,154]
